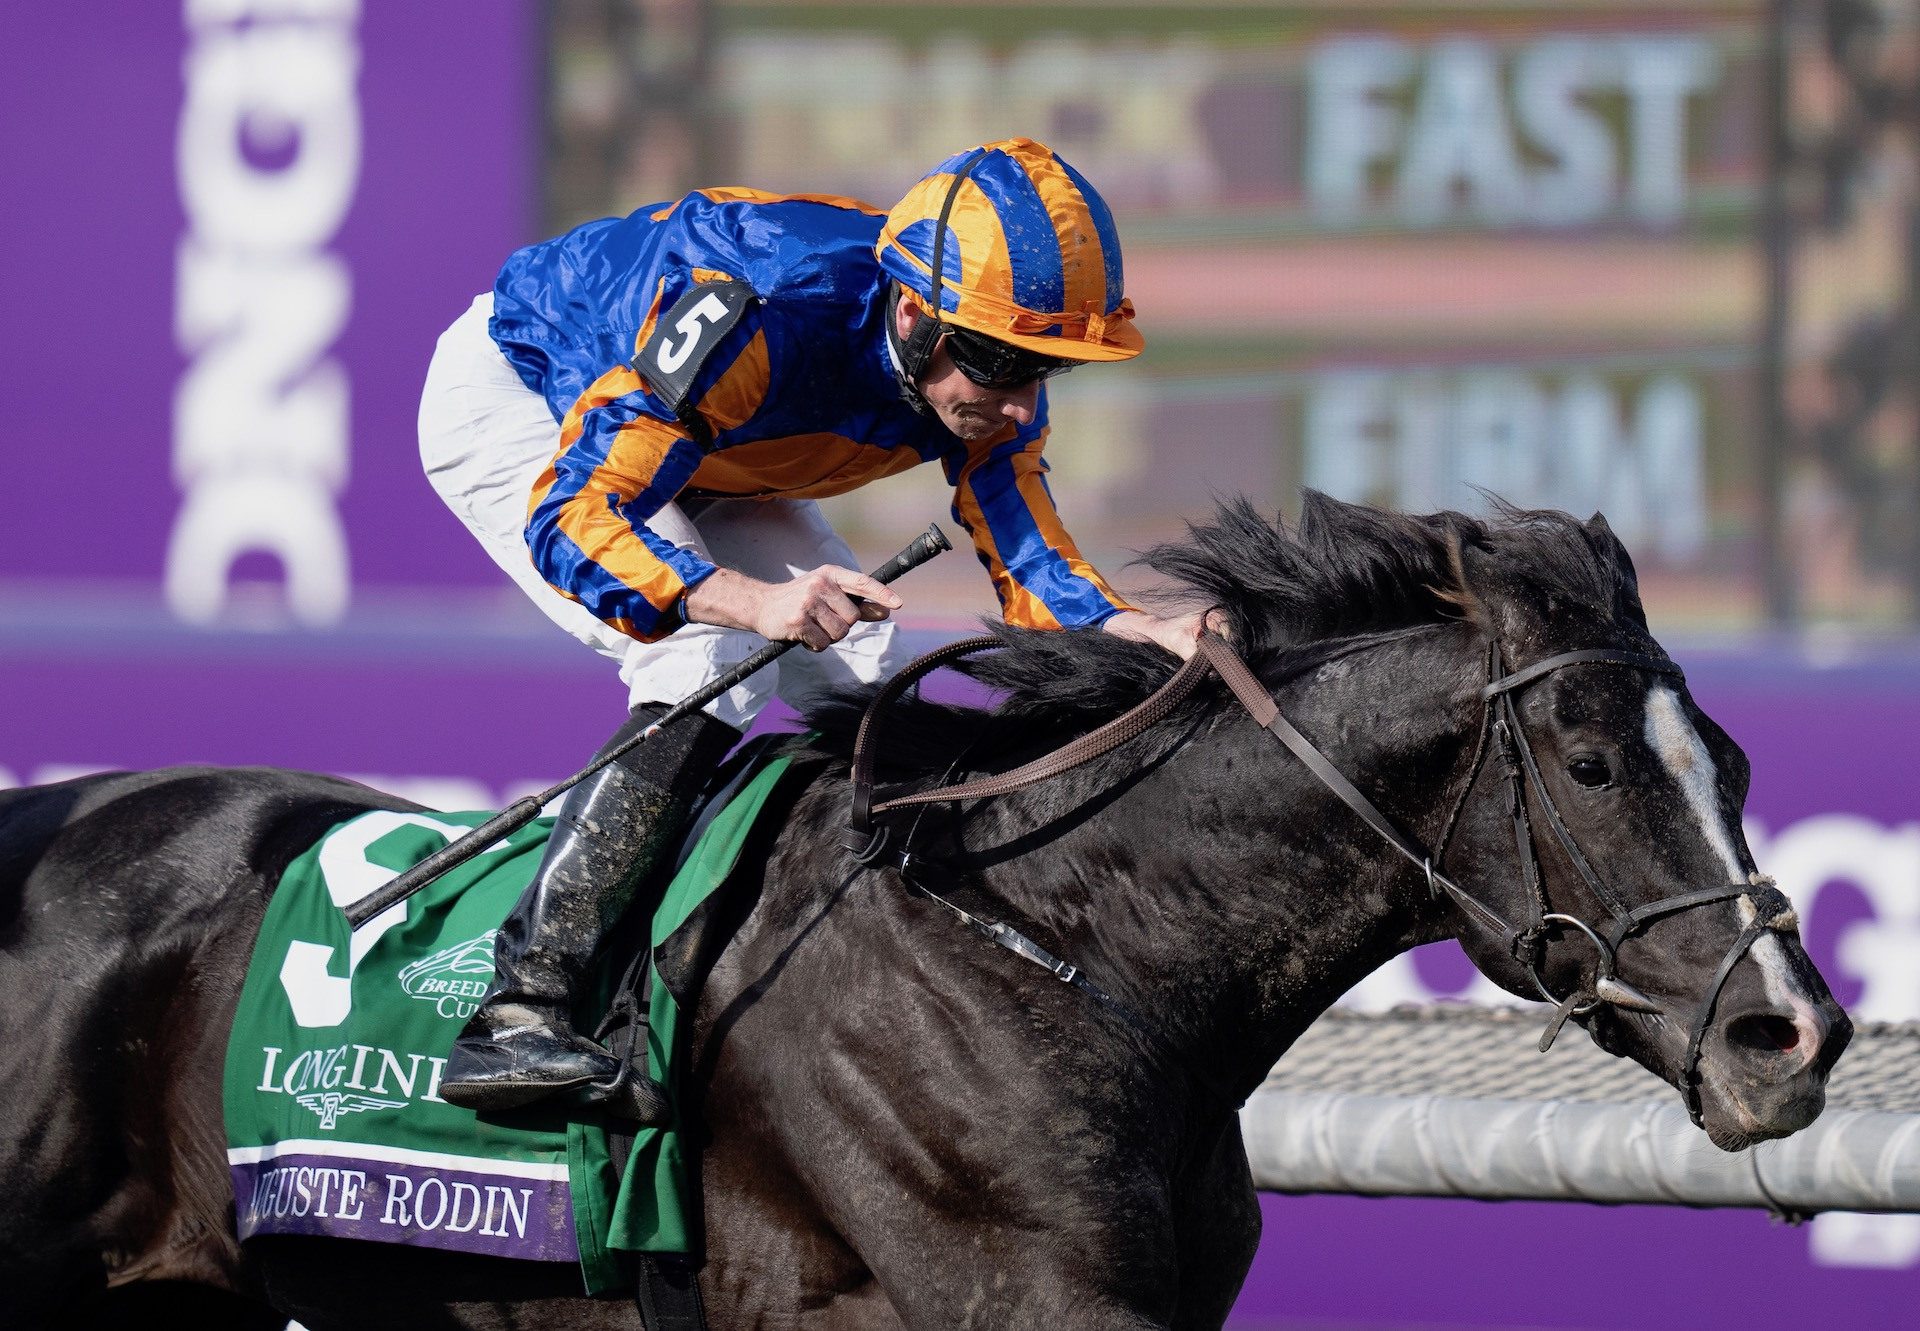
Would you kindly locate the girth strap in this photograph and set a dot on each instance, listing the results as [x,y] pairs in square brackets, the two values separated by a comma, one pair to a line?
[667,1294]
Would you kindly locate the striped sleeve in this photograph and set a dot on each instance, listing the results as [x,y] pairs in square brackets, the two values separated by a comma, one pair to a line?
[1002,499]
[622,458]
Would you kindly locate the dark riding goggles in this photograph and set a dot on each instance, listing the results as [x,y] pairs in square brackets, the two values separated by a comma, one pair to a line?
[998,365]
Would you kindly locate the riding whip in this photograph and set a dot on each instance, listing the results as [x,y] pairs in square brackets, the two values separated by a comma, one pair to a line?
[524,810]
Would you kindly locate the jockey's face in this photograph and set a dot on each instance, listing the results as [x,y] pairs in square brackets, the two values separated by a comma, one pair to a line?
[964,407]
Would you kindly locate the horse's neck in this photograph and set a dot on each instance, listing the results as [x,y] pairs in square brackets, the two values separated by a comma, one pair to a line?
[1223,890]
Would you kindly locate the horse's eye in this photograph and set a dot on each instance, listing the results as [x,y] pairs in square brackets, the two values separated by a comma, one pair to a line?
[1590,770]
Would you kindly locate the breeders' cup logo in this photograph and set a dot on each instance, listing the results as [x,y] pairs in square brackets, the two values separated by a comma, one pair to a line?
[454,979]
[331,1104]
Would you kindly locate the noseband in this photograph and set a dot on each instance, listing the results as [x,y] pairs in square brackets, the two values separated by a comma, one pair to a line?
[1499,729]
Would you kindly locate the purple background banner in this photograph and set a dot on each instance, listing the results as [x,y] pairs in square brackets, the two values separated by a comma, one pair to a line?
[416,127]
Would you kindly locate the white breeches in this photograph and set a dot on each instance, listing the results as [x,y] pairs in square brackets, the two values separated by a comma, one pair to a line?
[485,437]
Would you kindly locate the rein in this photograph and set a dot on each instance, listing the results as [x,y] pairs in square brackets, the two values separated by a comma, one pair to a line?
[1500,729]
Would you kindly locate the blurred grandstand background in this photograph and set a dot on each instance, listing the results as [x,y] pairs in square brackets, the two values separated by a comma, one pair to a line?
[1653,260]
[1661,261]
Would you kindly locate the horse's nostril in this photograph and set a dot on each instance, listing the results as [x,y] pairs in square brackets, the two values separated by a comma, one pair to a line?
[1764,1033]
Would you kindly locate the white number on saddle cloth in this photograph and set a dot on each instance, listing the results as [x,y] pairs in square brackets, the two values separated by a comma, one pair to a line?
[317,996]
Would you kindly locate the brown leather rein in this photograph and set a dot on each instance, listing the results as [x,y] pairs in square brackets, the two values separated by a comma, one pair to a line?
[1500,728]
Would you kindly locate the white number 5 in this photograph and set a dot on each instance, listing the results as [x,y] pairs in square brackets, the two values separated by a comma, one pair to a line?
[709,309]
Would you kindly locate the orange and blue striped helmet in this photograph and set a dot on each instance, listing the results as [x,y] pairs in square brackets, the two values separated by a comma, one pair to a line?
[1028,253]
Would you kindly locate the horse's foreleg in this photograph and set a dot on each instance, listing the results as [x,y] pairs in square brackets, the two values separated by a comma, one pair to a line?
[774,1262]
[1217,1224]
[987,1272]
[1025,1295]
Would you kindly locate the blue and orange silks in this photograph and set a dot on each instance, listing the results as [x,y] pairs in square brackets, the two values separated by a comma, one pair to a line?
[799,397]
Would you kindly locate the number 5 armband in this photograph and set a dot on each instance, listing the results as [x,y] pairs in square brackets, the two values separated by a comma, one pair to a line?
[686,335]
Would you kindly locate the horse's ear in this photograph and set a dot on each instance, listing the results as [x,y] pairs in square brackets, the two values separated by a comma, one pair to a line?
[1600,536]
[1460,593]
[1609,546]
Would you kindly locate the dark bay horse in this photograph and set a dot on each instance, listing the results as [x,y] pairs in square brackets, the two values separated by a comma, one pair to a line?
[905,1124]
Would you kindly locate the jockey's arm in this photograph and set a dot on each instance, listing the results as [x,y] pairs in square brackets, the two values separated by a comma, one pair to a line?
[1001,498]
[816,609]
[622,460]
[586,529]
[598,549]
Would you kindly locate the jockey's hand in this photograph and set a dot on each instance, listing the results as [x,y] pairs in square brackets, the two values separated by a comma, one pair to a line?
[816,609]
[1179,634]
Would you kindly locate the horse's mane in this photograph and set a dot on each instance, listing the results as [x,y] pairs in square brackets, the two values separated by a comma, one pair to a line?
[1342,571]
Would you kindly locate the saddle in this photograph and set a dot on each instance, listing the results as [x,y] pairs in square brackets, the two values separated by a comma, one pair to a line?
[334,1125]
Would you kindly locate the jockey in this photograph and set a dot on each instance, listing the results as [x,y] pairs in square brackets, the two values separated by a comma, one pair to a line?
[636,421]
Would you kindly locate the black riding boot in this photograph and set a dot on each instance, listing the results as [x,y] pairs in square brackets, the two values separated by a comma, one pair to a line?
[613,828]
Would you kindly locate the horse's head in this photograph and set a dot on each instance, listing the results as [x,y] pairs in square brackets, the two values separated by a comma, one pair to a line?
[1650,923]
[1497,687]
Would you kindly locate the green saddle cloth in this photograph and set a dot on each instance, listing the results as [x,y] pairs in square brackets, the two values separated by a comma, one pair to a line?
[334,1122]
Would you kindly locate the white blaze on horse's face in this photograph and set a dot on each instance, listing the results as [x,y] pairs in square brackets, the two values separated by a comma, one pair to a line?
[1672,736]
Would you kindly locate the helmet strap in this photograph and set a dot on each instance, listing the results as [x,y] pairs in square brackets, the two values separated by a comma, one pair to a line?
[917,349]
[910,354]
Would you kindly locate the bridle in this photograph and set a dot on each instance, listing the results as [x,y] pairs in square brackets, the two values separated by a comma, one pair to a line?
[1500,730]
[1527,944]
